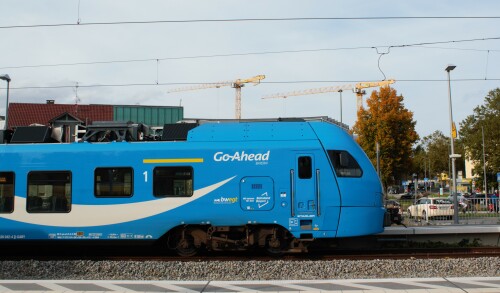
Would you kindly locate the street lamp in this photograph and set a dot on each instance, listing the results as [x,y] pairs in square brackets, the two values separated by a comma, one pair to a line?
[6,77]
[340,91]
[415,188]
[484,168]
[453,156]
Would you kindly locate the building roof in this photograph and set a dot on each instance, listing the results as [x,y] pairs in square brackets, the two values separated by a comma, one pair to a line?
[24,114]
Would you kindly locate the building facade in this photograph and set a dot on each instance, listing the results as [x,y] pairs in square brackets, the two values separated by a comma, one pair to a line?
[69,120]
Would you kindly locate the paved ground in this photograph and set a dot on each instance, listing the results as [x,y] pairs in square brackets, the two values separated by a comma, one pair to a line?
[351,286]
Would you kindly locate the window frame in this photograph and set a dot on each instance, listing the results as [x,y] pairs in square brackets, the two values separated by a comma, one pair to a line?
[305,167]
[111,184]
[4,196]
[45,201]
[354,167]
[172,178]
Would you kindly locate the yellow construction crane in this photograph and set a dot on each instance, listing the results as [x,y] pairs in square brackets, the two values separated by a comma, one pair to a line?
[237,84]
[356,88]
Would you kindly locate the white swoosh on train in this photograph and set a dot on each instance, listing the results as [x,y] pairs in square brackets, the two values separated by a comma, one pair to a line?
[100,215]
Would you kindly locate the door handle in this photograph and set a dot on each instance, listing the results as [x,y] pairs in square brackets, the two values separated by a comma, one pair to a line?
[318,192]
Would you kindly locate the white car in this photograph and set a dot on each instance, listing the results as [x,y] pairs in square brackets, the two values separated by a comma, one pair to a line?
[428,207]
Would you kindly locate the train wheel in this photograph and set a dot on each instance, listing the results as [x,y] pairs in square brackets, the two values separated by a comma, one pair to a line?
[186,247]
[276,243]
[273,247]
[182,242]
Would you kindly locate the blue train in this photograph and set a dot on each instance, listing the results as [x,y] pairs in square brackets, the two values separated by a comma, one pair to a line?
[237,185]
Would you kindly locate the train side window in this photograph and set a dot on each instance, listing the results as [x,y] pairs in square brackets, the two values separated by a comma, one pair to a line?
[305,167]
[49,192]
[344,164]
[173,181]
[6,192]
[113,182]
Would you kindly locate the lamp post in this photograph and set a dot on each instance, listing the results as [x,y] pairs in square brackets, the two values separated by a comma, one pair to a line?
[340,91]
[484,169]
[6,77]
[415,188]
[453,156]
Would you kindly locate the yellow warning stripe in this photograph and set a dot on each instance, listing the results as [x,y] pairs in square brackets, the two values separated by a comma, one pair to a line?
[185,160]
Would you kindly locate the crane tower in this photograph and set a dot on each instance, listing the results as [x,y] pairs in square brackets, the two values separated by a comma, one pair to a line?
[358,89]
[236,84]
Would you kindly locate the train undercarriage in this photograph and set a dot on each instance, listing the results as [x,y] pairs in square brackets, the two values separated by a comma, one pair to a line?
[189,240]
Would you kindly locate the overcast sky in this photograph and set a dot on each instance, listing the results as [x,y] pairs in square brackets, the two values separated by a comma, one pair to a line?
[352,55]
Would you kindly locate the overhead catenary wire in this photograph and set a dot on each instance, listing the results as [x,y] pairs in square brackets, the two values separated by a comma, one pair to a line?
[379,57]
[486,66]
[157,71]
[458,49]
[79,23]
[422,45]
[150,82]
[78,20]
[267,82]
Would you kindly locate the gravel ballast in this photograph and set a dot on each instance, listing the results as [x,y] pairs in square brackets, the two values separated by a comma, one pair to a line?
[248,270]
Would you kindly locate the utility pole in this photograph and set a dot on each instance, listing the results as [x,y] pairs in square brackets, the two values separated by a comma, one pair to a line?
[453,156]
[484,169]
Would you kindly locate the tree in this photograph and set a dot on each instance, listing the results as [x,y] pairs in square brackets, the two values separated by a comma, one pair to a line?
[387,122]
[420,161]
[436,148]
[485,119]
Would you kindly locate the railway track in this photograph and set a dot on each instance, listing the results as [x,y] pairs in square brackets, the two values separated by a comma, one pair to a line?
[148,253]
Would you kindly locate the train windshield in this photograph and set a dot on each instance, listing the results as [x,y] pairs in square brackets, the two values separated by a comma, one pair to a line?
[344,164]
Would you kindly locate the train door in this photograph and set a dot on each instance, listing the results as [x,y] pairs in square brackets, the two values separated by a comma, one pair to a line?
[304,181]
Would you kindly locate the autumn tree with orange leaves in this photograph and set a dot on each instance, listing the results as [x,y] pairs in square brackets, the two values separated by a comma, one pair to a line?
[389,123]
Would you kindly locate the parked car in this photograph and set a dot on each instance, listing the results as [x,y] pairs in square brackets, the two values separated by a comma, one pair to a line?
[394,189]
[394,210]
[392,204]
[409,195]
[429,207]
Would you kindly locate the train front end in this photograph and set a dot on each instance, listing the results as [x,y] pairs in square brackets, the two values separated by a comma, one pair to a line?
[361,210]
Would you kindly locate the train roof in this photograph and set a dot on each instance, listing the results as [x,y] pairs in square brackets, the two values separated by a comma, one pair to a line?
[257,129]
[193,130]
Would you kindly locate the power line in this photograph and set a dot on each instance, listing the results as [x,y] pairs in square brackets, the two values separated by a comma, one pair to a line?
[423,45]
[267,82]
[446,42]
[183,57]
[399,80]
[249,20]
[78,63]
[459,49]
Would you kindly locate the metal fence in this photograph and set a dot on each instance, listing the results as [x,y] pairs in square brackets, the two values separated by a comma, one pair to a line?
[473,211]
